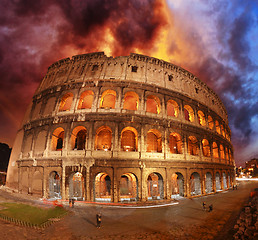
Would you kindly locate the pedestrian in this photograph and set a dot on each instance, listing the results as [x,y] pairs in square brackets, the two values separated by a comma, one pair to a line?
[204,206]
[98,216]
[73,201]
[210,208]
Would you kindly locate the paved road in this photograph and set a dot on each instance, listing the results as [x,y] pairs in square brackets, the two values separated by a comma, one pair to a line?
[185,220]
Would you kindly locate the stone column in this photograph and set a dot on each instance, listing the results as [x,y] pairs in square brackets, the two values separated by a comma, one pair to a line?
[63,183]
[115,186]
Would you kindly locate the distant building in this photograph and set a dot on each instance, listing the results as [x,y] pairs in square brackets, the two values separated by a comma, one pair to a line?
[130,128]
[251,167]
[5,153]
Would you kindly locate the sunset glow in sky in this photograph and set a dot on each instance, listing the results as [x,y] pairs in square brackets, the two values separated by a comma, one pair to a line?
[217,40]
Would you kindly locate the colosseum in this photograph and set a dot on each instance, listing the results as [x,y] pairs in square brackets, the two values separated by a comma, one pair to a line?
[129,128]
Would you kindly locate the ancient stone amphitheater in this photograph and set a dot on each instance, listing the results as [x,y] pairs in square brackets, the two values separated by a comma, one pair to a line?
[130,128]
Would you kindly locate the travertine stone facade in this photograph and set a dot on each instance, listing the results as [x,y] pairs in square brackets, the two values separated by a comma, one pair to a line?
[130,128]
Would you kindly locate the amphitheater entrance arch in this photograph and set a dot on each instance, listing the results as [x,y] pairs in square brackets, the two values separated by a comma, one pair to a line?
[54,185]
[177,184]
[195,184]
[76,186]
[218,184]
[229,181]
[128,188]
[155,186]
[102,188]
[208,182]
[224,177]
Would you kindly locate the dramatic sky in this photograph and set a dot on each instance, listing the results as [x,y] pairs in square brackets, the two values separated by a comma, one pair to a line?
[217,40]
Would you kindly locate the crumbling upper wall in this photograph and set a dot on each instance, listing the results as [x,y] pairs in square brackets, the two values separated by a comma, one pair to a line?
[136,68]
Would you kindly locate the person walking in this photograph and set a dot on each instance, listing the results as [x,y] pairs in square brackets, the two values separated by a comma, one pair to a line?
[204,206]
[98,216]
[210,208]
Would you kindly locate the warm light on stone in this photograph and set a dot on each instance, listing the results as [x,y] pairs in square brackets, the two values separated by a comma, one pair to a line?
[130,128]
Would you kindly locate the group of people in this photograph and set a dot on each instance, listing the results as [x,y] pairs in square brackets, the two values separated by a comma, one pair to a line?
[210,207]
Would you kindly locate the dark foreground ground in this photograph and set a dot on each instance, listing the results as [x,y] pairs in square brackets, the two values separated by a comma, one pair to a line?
[185,220]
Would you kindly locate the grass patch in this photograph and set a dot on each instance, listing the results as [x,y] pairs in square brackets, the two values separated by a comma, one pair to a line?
[30,214]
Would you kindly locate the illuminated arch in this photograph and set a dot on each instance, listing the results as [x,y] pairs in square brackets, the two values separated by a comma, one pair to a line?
[172,108]
[221,150]
[189,113]
[217,127]
[222,130]
[131,101]
[102,187]
[153,104]
[78,138]
[210,122]
[177,185]
[103,138]
[193,146]
[201,118]
[129,139]
[86,100]
[226,153]
[76,186]
[195,184]
[128,187]
[66,102]
[154,141]
[175,143]
[155,186]
[208,183]
[215,150]
[108,99]
[57,139]
[206,148]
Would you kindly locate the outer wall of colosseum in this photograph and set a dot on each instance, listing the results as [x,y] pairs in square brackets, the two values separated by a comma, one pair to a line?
[130,128]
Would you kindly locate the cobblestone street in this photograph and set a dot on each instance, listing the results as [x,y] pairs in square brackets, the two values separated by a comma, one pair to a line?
[185,220]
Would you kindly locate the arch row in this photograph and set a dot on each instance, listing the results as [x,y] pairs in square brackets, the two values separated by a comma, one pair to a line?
[124,185]
[131,100]
[129,140]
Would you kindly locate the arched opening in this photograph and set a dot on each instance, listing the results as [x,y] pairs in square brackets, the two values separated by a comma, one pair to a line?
[86,100]
[201,118]
[217,126]
[102,188]
[172,108]
[210,122]
[103,139]
[129,139]
[226,153]
[177,185]
[222,153]
[229,180]
[189,113]
[154,142]
[108,99]
[66,102]
[222,130]
[175,143]
[128,187]
[76,186]
[215,150]
[153,104]
[208,183]
[131,101]
[54,185]
[78,138]
[218,183]
[193,146]
[195,184]
[57,139]
[206,148]
[155,186]
[224,177]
